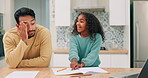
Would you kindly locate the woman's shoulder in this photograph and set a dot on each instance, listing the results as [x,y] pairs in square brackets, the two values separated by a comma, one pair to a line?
[73,36]
[98,35]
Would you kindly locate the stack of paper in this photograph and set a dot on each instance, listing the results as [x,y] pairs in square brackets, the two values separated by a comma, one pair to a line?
[22,74]
[84,70]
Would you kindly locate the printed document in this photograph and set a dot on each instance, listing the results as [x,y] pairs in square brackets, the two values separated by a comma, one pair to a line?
[22,74]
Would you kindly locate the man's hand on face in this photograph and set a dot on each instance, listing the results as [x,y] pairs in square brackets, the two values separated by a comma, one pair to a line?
[23,31]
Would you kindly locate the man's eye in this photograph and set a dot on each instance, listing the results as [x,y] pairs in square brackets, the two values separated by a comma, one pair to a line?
[25,22]
[32,24]
[81,22]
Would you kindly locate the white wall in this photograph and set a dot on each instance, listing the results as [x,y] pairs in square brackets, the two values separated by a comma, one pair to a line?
[52,24]
[127,31]
[8,15]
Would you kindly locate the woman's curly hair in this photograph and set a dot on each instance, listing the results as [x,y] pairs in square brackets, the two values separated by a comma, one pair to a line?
[94,26]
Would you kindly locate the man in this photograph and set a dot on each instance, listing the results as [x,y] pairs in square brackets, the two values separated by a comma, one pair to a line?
[28,44]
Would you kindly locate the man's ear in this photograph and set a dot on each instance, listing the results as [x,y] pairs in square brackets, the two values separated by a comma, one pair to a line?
[17,25]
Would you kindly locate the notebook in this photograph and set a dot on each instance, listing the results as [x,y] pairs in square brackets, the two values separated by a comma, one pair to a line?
[84,70]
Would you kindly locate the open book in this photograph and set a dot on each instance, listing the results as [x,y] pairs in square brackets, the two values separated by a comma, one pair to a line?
[84,70]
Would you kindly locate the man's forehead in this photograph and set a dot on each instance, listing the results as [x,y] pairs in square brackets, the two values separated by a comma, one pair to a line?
[27,21]
[27,18]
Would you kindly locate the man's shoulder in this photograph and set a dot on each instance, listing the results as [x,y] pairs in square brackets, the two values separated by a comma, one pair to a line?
[11,34]
[41,28]
[12,31]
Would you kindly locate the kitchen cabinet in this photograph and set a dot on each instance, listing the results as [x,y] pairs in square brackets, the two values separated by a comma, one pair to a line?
[114,60]
[62,12]
[117,12]
[119,61]
[2,6]
[1,46]
[2,62]
[61,60]
[107,60]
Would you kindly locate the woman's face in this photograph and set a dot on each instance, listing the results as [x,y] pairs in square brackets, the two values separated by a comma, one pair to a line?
[81,24]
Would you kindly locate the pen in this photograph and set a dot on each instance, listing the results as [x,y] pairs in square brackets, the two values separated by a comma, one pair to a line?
[61,69]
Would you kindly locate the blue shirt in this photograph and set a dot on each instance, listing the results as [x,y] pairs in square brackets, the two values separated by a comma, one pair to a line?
[85,50]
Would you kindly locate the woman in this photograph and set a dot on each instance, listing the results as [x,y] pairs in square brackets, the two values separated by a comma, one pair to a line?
[85,42]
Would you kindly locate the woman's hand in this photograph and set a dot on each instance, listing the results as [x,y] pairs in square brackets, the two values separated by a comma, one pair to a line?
[74,64]
[81,65]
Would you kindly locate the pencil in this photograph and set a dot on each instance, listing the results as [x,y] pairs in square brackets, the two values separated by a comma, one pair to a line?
[61,69]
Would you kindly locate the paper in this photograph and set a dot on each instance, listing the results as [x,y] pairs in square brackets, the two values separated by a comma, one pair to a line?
[22,74]
[80,70]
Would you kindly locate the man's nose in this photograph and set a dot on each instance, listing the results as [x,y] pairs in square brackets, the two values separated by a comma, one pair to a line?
[29,27]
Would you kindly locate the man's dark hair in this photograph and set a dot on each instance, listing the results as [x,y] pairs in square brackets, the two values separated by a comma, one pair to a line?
[23,12]
[94,25]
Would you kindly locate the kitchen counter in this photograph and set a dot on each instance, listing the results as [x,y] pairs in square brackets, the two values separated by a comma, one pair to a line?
[102,51]
[109,58]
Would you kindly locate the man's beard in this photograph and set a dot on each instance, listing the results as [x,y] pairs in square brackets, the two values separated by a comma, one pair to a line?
[30,36]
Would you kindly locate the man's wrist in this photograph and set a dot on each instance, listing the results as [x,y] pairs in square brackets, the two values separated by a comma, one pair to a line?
[25,41]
